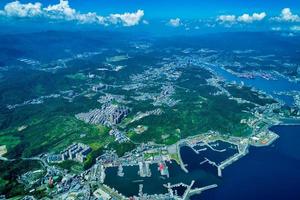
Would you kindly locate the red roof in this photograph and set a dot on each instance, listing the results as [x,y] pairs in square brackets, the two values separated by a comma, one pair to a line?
[161,166]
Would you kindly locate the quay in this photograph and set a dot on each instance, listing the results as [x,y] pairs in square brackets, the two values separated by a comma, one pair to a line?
[232,159]
[182,165]
[189,191]
[200,190]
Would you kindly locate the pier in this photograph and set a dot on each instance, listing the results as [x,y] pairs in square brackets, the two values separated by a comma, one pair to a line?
[144,170]
[229,161]
[182,165]
[189,191]
[200,190]
[207,144]
[120,171]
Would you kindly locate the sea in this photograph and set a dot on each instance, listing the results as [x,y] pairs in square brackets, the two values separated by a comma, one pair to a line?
[266,173]
[270,87]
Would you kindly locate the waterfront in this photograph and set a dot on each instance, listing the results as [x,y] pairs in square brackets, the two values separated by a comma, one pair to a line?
[268,86]
[271,172]
[129,184]
[201,172]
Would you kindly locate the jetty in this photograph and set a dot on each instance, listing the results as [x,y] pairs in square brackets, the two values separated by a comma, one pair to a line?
[182,165]
[189,191]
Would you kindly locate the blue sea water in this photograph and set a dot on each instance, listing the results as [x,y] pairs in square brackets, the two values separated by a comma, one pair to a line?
[129,184]
[268,86]
[268,173]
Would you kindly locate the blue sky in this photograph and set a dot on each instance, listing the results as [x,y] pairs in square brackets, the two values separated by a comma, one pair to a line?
[177,8]
[184,14]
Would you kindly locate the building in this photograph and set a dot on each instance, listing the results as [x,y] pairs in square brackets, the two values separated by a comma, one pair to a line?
[119,136]
[54,158]
[108,115]
[98,87]
[77,151]
[100,194]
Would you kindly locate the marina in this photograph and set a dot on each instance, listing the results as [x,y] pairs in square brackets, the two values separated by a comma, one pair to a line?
[273,170]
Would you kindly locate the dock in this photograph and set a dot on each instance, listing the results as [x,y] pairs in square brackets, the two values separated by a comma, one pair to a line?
[230,160]
[182,165]
[200,190]
[189,191]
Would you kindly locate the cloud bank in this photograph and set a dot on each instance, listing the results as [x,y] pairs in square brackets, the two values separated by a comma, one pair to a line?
[175,22]
[295,28]
[63,11]
[245,18]
[128,19]
[287,16]
[16,9]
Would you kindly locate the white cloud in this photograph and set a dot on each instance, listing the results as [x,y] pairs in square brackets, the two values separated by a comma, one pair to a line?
[227,18]
[287,16]
[289,35]
[175,22]
[63,11]
[276,28]
[145,22]
[90,18]
[245,18]
[16,9]
[210,25]
[251,18]
[127,19]
[295,28]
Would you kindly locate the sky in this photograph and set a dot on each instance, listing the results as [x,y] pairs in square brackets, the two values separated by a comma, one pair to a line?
[187,15]
[189,8]
[176,8]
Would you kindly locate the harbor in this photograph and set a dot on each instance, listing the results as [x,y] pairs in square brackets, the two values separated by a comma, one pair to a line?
[273,170]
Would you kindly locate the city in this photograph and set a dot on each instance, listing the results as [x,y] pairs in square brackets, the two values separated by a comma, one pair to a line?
[149,100]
